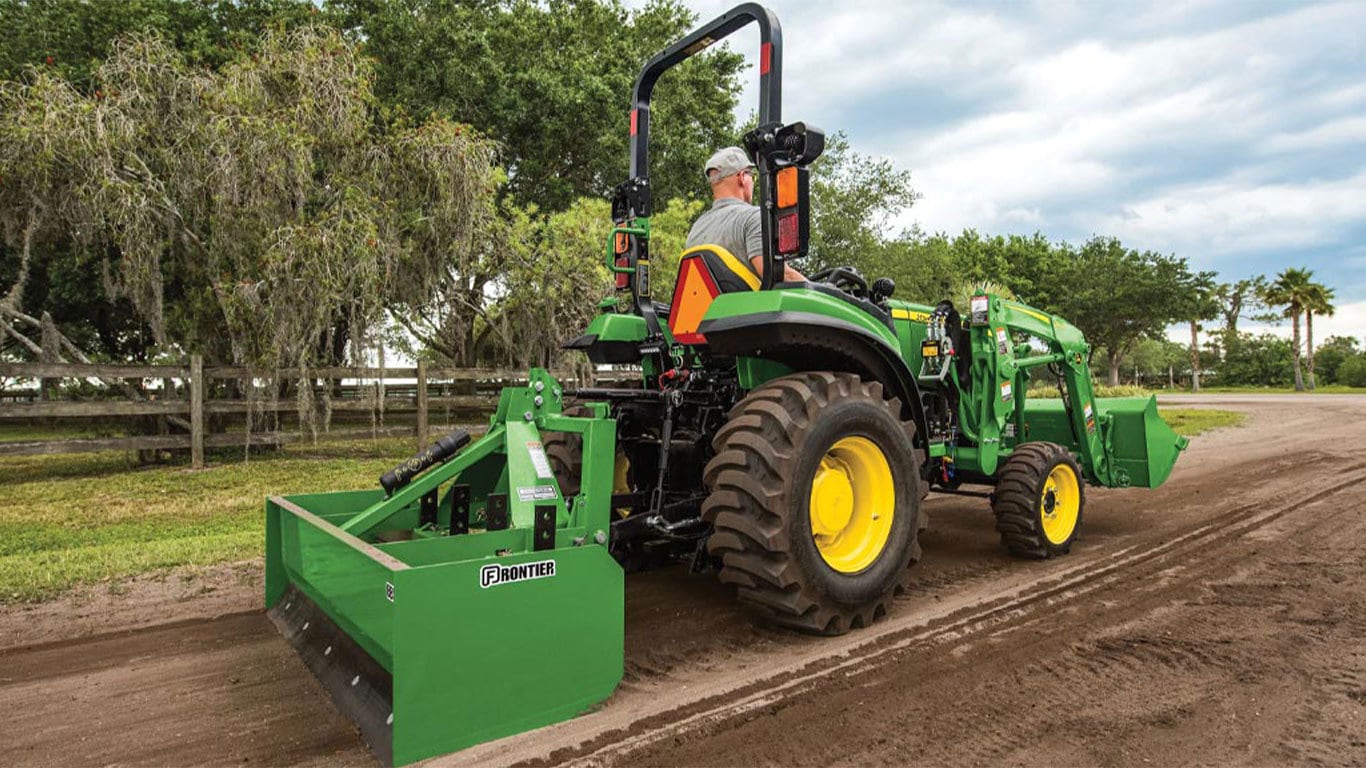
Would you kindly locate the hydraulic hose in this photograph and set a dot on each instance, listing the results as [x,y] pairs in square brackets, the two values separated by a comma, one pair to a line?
[436,453]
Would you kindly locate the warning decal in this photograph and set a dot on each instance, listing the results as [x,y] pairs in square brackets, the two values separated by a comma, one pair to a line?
[539,460]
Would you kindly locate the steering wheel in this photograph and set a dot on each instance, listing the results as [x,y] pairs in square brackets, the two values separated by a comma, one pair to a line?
[846,279]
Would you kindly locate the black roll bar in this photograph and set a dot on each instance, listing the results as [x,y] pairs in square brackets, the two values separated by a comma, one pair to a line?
[770,73]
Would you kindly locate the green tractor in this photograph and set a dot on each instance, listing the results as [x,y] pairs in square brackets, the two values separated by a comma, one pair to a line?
[783,434]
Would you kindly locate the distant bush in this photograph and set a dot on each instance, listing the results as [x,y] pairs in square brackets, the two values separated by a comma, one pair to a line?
[1352,372]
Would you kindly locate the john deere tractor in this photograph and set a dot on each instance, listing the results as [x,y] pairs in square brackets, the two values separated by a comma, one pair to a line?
[783,434]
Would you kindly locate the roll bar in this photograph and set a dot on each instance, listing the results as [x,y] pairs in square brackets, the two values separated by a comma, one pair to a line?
[770,73]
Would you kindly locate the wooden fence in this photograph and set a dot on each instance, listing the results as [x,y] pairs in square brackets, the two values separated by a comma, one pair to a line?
[183,401]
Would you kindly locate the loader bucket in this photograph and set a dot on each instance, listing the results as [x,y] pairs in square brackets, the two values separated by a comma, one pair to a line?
[473,603]
[1141,448]
[1141,445]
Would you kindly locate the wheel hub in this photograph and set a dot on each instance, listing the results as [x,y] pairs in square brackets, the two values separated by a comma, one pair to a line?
[832,499]
[852,504]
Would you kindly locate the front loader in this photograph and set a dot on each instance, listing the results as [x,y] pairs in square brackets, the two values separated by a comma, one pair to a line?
[781,434]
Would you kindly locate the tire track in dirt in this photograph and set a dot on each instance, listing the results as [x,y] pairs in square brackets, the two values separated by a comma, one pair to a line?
[760,689]
[1158,672]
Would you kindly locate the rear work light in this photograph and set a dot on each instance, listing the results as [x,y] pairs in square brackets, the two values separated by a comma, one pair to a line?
[788,240]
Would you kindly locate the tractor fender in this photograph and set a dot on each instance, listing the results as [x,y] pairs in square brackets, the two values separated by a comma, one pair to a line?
[806,341]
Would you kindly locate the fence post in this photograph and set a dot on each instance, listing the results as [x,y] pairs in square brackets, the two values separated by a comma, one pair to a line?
[421,404]
[197,411]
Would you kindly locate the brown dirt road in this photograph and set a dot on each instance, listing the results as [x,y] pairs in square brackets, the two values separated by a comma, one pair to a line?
[1220,619]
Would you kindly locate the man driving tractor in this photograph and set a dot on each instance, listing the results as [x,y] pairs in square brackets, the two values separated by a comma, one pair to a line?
[732,222]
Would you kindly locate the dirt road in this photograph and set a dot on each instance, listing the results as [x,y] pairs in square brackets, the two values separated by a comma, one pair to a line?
[1219,619]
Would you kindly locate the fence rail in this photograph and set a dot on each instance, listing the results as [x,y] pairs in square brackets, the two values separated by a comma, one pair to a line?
[185,400]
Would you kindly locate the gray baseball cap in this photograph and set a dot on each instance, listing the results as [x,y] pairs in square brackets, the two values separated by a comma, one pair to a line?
[727,162]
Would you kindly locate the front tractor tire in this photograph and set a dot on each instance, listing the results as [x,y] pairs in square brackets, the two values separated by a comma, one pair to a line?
[815,501]
[1039,500]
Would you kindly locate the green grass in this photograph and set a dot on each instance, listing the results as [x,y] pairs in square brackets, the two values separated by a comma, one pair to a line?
[83,519]
[1193,421]
[91,518]
[15,433]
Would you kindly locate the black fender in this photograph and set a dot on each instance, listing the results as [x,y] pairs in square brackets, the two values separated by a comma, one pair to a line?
[805,341]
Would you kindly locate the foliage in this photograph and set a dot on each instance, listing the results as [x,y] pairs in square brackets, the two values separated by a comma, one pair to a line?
[1352,372]
[71,37]
[1263,360]
[551,82]
[1236,299]
[1117,296]
[854,199]
[1292,289]
[265,196]
[1334,352]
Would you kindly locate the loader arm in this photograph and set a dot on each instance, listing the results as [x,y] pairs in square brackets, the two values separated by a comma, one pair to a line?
[1119,441]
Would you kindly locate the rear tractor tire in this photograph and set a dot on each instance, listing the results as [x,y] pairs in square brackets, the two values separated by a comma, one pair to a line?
[1039,499]
[815,501]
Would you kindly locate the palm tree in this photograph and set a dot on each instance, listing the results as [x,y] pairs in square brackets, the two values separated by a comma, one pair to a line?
[1291,289]
[1202,305]
[1320,300]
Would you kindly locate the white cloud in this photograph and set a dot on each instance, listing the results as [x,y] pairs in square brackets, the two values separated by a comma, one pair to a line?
[1347,131]
[1214,129]
[1225,218]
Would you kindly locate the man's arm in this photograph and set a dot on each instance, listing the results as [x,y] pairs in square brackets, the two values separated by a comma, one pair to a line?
[790,275]
[754,247]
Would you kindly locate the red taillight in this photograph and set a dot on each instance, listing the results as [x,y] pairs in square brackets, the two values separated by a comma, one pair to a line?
[622,277]
[788,239]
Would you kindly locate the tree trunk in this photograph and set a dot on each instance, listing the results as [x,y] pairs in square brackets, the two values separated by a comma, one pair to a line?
[1195,356]
[1299,373]
[1114,370]
[1309,344]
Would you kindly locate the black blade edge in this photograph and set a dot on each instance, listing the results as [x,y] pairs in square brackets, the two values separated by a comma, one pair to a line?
[359,686]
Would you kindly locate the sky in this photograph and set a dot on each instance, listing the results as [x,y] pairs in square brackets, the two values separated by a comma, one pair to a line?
[1229,133]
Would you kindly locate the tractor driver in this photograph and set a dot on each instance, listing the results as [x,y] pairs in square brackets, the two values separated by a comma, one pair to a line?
[733,222]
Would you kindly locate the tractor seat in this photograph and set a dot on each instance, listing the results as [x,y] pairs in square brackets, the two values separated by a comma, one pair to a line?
[705,272]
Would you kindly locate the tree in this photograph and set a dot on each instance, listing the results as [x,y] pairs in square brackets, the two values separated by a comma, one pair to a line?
[1234,299]
[1117,296]
[1320,300]
[1265,360]
[1202,303]
[1332,354]
[1292,289]
[551,82]
[854,199]
[1353,371]
[267,199]
[72,37]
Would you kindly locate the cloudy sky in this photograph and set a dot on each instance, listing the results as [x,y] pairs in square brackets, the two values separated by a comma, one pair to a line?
[1230,133]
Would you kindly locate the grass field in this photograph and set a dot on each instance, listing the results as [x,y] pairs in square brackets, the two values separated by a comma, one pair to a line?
[1193,421]
[81,519]
[86,519]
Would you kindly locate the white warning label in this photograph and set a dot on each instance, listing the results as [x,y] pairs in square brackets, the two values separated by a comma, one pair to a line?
[539,460]
[538,493]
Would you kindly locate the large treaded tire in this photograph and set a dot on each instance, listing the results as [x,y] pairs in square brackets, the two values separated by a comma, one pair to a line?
[760,482]
[1018,497]
[565,452]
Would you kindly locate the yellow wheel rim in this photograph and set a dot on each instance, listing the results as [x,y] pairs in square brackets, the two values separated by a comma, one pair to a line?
[853,503]
[1060,504]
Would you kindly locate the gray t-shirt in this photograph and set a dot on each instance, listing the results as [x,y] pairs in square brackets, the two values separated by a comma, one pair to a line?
[732,224]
